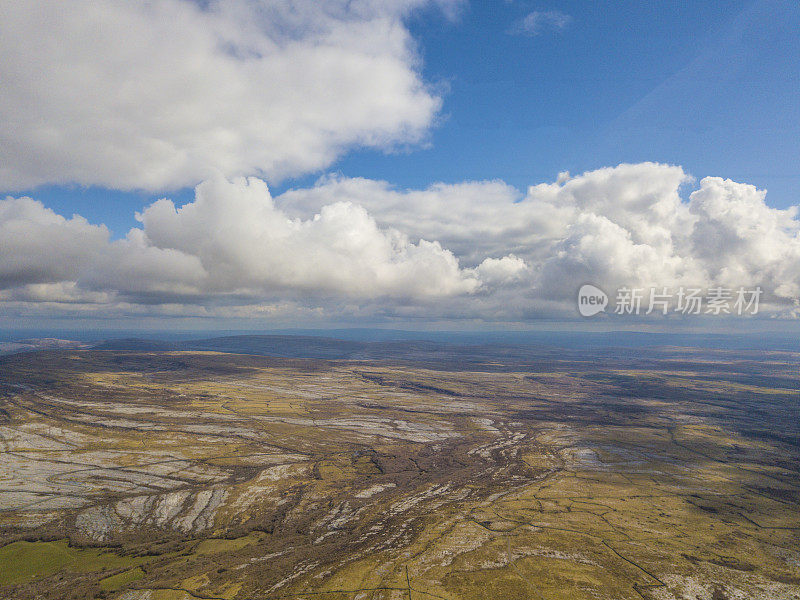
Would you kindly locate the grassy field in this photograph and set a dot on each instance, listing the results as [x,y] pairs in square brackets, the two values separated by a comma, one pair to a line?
[22,562]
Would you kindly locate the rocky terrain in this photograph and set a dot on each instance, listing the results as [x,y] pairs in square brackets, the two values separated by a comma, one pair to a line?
[172,474]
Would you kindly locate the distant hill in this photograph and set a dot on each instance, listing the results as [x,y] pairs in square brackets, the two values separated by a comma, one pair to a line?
[488,354]
[136,345]
[286,346]
[325,348]
[33,344]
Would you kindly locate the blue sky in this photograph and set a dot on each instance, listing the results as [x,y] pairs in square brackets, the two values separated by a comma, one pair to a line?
[711,86]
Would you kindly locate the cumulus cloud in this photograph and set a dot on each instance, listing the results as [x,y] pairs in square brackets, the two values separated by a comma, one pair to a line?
[628,225]
[163,94]
[39,246]
[473,219]
[501,270]
[230,242]
[357,248]
[245,243]
[490,218]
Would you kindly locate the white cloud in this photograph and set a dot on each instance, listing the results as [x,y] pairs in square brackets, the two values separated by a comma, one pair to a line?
[621,226]
[739,239]
[39,246]
[491,218]
[501,270]
[163,94]
[246,243]
[231,242]
[360,249]
[539,21]
[473,219]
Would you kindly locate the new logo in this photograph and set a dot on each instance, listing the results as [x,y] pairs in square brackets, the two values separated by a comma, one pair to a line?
[591,300]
